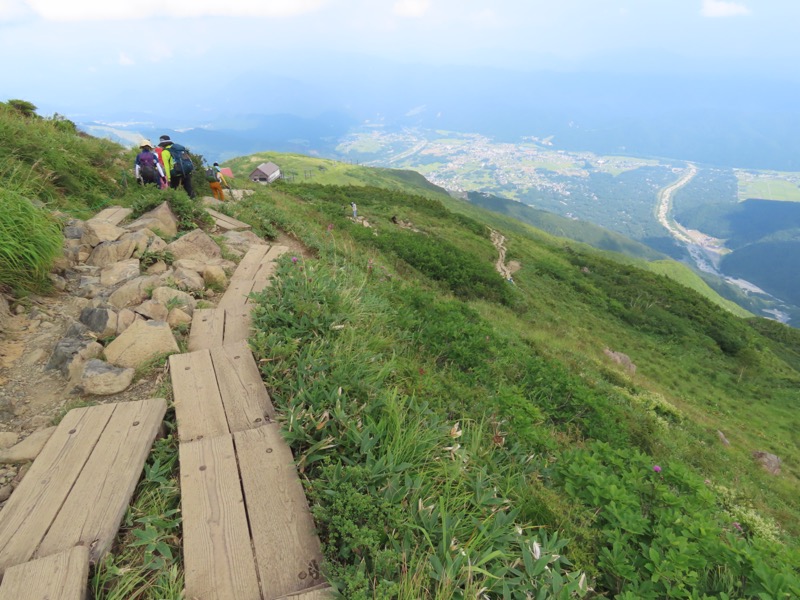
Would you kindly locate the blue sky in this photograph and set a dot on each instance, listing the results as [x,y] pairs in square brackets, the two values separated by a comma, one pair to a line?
[65,51]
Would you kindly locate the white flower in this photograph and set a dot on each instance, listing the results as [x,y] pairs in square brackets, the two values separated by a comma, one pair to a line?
[537,550]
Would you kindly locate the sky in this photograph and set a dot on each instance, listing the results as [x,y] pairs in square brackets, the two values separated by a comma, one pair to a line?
[72,53]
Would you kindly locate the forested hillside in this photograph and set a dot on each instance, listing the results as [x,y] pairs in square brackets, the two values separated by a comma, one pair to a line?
[464,436]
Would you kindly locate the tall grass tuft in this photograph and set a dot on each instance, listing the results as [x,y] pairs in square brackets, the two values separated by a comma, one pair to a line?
[30,239]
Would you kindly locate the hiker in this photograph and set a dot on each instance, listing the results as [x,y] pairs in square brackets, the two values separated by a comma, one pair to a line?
[146,166]
[355,210]
[215,180]
[177,164]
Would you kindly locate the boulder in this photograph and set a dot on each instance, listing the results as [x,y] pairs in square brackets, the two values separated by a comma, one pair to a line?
[141,240]
[175,299]
[196,245]
[102,379]
[111,252]
[214,276]
[188,280]
[8,439]
[75,339]
[177,317]
[156,244]
[78,362]
[133,292]
[242,240]
[74,231]
[118,272]
[157,268]
[28,449]
[153,310]
[96,231]
[190,264]
[141,342]
[160,219]
[621,359]
[125,319]
[102,321]
[770,462]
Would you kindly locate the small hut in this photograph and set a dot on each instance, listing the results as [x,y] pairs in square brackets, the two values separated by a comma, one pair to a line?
[265,173]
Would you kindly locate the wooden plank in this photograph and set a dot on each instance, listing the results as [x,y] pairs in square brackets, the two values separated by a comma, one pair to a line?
[93,511]
[34,505]
[287,549]
[320,592]
[198,405]
[275,252]
[223,221]
[208,328]
[266,272]
[236,294]
[237,325]
[217,555]
[249,265]
[247,403]
[62,576]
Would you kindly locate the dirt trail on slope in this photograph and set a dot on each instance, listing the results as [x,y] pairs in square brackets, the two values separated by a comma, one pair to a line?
[506,270]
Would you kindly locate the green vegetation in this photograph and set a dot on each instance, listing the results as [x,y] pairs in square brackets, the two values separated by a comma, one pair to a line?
[766,188]
[453,437]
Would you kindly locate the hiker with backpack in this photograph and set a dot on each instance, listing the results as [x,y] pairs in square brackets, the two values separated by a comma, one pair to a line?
[146,166]
[177,164]
[215,180]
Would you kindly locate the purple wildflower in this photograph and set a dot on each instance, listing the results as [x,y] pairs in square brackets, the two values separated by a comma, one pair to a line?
[656,468]
[330,226]
[294,259]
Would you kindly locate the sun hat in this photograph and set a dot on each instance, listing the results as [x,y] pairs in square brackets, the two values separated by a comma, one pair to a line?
[144,143]
[164,139]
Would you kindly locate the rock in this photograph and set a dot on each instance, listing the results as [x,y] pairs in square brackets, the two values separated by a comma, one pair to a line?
[190,264]
[621,359]
[102,379]
[723,439]
[76,339]
[125,319]
[133,292]
[61,264]
[118,272]
[214,276]
[74,231]
[160,219]
[141,240]
[58,282]
[38,421]
[173,298]
[770,462]
[78,362]
[102,321]
[242,240]
[177,317]
[34,357]
[153,310]
[157,268]
[156,244]
[195,244]
[96,231]
[28,449]
[140,342]
[108,253]
[188,280]
[8,439]
[5,492]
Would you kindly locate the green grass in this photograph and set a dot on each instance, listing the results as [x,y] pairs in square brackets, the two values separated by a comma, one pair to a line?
[769,189]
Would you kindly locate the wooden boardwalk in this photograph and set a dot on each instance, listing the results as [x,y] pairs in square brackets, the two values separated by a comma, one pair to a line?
[225,222]
[62,576]
[112,214]
[78,488]
[247,530]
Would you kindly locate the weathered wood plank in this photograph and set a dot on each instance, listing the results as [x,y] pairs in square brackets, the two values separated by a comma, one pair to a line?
[223,221]
[249,265]
[93,511]
[34,505]
[237,325]
[208,329]
[287,548]
[236,294]
[198,405]
[247,403]
[62,576]
[275,252]
[218,557]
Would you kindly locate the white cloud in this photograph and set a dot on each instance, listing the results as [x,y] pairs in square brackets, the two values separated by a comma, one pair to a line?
[411,8]
[123,10]
[723,8]
[11,10]
[125,60]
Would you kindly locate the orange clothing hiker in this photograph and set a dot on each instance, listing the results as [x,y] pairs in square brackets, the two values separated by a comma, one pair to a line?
[215,180]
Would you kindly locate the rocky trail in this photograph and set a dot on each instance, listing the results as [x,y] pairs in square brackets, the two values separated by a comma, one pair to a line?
[506,270]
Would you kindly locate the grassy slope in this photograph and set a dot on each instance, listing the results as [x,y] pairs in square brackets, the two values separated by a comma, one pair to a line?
[569,303]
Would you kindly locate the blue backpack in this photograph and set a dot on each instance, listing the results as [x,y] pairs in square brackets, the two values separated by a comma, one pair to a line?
[182,165]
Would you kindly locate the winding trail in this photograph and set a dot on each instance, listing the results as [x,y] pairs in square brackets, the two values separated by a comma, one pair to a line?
[506,270]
